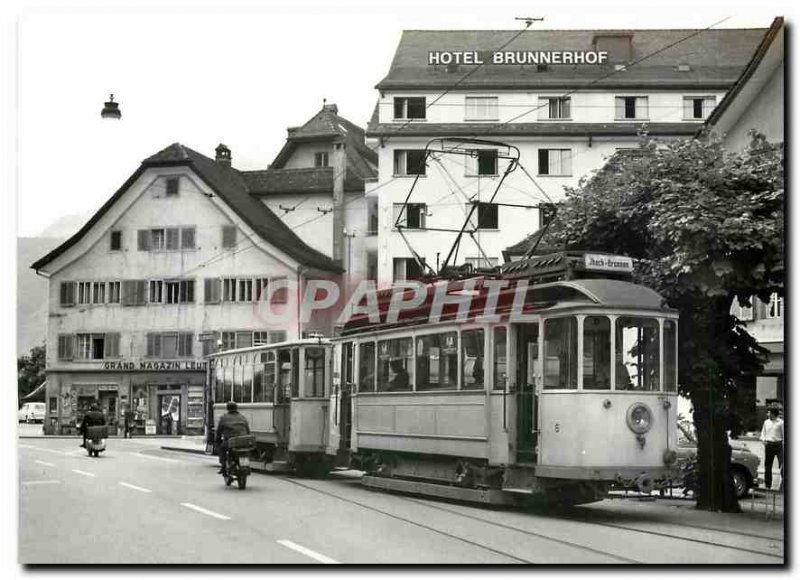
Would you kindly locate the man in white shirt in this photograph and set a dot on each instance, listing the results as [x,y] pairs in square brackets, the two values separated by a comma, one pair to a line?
[772,436]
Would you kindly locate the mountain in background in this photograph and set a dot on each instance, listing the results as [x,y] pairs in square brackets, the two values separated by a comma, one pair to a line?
[31,293]
[65,226]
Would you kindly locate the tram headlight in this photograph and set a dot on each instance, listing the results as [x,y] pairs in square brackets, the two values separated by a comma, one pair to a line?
[639,418]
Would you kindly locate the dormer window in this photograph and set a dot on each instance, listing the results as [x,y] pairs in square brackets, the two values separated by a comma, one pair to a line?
[173,184]
[321,159]
[409,108]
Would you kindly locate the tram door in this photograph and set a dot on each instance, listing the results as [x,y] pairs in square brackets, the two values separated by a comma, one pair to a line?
[285,388]
[347,386]
[527,356]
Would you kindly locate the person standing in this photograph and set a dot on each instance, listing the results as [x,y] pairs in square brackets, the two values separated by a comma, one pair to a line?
[772,436]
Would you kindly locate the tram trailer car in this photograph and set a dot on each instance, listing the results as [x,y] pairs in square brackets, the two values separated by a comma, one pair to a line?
[283,390]
[577,393]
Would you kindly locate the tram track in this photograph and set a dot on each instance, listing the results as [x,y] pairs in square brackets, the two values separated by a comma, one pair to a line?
[566,516]
[620,559]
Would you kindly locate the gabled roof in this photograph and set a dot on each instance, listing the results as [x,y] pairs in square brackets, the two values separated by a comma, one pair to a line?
[715,58]
[324,127]
[228,184]
[302,180]
[756,61]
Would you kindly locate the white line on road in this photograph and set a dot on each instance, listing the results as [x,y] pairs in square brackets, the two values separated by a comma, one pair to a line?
[86,473]
[167,459]
[310,553]
[197,508]
[40,482]
[43,449]
[136,487]
[44,463]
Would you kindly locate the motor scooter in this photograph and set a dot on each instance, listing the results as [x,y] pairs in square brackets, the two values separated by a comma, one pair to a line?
[236,465]
[96,436]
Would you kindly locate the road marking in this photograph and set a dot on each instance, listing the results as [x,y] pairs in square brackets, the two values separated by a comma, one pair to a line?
[44,463]
[43,449]
[305,551]
[136,487]
[86,473]
[197,508]
[40,482]
[167,459]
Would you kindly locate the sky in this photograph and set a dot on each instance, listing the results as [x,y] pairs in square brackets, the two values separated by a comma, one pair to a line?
[199,74]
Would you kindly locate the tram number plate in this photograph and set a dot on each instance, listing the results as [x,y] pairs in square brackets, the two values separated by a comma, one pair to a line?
[244,461]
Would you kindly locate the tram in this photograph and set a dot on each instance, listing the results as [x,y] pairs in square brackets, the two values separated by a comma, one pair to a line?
[554,377]
[283,390]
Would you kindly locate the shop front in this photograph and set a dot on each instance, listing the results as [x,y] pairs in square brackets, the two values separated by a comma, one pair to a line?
[166,402]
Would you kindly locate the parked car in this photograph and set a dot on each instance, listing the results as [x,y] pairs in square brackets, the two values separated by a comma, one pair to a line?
[744,463]
[31,413]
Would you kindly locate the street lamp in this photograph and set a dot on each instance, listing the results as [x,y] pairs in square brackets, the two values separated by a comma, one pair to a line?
[111,109]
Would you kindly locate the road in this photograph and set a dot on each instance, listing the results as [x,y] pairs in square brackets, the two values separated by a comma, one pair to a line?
[141,504]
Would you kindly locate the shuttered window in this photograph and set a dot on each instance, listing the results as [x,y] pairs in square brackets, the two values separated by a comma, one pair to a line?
[143,240]
[134,292]
[187,239]
[173,238]
[66,346]
[211,289]
[555,162]
[111,345]
[67,294]
[169,345]
[228,236]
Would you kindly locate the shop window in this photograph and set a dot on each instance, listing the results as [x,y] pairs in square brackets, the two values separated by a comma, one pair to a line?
[437,362]
[366,367]
[596,353]
[637,354]
[395,364]
[472,369]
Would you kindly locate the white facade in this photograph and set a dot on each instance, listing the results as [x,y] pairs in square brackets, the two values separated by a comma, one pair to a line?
[450,183]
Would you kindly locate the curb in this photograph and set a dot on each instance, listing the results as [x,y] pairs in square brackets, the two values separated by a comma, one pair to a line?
[184,450]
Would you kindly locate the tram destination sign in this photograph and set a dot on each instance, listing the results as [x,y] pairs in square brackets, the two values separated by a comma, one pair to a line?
[606,263]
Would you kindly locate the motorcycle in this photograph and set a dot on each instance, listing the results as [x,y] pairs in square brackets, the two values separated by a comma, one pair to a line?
[236,465]
[96,436]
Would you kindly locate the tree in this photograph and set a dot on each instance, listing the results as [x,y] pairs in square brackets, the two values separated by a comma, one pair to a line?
[30,372]
[705,226]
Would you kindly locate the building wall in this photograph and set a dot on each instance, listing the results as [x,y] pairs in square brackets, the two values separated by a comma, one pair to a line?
[765,113]
[303,155]
[448,186]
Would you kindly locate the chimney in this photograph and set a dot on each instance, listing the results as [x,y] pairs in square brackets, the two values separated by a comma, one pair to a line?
[616,44]
[339,171]
[223,156]
[332,108]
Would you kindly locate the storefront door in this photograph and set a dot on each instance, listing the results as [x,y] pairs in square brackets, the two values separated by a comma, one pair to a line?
[169,421]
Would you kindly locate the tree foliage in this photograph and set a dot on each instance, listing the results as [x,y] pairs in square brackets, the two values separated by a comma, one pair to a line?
[705,226]
[30,372]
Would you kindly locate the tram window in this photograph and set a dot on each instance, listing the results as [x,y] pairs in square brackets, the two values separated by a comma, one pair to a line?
[218,380]
[670,356]
[227,392]
[500,360]
[395,360]
[259,392]
[366,367]
[561,353]
[472,369]
[637,365]
[238,384]
[437,362]
[314,379]
[347,369]
[247,379]
[596,352]
[287,386]
[269,380]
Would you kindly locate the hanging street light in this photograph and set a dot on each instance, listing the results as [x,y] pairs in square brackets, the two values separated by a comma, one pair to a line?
[111,109]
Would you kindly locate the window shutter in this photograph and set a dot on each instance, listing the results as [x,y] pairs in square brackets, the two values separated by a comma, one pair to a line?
[211,290]
[544,162]
[398,108]
[688,108]
[67,294]
[129,292]
[187,238]
[66,346]
[641,108]
[111,345]
[173,241]
[143,240]
[185,344]
[228,236]
[619,107]
[708,106]
[565,108]
[153,344]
